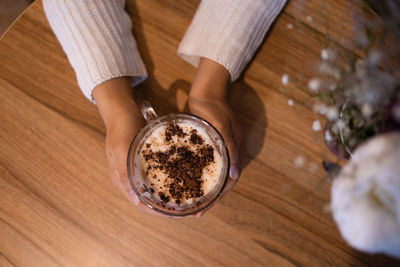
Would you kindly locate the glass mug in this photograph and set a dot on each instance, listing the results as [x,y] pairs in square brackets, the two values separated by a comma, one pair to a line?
[136,177]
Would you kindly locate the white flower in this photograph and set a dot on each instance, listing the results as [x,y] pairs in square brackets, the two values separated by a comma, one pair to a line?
[299,161]
[366,110]
[314,84]
[285,79]
[328,69]
[324,54]
[309,18]
[340,124]
[320,108]
[327,54]
[366,197]
[331,113]
[289,26]
[290,102]
[328,136]
[316,125]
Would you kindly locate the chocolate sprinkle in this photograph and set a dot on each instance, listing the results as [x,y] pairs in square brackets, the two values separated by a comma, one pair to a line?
[195,138]
[163,197]
[173,130]
[183,167]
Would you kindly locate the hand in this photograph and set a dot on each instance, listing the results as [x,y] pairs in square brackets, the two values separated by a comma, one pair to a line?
[208,100]
[123,120]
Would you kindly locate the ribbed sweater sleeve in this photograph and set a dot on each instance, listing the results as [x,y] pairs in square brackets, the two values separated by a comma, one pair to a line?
[228,32]
[97,37]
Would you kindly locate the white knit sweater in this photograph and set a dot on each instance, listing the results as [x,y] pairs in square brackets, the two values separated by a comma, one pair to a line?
[97,36]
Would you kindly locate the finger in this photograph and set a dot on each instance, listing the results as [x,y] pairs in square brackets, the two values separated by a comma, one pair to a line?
[240,152]
[116,158]
[232,150]
[200,213]
[123,176]
[118,163]
[236,133]
[115,178]
[234,171]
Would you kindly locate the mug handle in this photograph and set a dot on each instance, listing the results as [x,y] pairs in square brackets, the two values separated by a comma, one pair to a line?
[147,111]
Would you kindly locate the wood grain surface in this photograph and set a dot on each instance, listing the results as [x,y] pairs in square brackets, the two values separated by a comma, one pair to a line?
[59,207]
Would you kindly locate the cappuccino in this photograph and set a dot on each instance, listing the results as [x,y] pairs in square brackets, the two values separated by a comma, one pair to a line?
[178,164]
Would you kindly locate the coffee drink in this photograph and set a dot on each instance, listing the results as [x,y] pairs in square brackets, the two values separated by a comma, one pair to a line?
[179,164]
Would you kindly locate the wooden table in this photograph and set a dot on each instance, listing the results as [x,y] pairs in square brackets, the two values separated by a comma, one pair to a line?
[59,207]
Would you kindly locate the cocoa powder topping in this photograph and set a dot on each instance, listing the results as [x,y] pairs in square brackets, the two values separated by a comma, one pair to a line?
[195,138]
[182,164]
[173,130]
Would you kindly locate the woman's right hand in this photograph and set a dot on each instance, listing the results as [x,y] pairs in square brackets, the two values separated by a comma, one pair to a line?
[123,120]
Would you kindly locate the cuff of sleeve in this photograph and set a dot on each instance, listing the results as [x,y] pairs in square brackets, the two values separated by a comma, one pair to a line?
[97,39]
[87,89]
[228,32]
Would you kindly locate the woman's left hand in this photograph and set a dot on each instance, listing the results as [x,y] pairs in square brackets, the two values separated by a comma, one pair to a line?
[208,100]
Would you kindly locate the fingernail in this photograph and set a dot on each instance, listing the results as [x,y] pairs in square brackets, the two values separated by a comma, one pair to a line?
[133,197]
[234,172]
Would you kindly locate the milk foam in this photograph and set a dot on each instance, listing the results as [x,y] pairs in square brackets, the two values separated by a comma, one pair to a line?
[155,179]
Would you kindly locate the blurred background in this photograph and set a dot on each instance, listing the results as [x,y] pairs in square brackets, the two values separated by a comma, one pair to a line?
[11,9]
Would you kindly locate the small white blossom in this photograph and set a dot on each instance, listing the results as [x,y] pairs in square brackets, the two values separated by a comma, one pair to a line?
[328,136]
[316,125]
[290,102]
[328,69]
[340,124]
[309,18]
[314,84]
[299,161]
[285,79]
[289,26]
[320,108]
[331,113]
[366,110]
[324,54]
[323,109]
[327,54]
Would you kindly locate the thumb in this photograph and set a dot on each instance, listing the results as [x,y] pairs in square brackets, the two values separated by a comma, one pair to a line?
[119,173]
